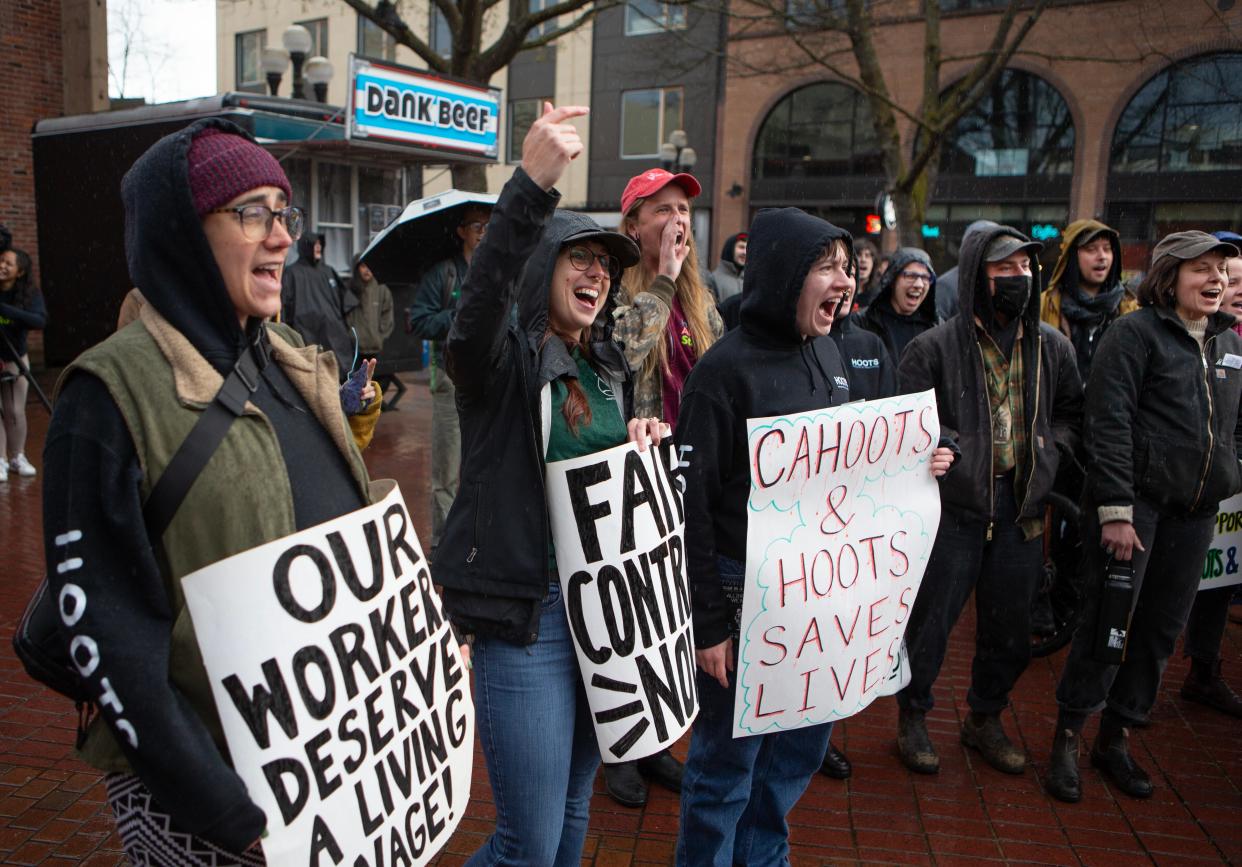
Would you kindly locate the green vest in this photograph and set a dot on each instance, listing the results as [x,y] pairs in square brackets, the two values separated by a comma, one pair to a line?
[241,499]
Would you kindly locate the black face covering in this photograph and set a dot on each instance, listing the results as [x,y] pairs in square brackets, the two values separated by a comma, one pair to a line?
[1011,294]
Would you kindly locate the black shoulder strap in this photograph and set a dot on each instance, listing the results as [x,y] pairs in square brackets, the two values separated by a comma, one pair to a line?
[201,442]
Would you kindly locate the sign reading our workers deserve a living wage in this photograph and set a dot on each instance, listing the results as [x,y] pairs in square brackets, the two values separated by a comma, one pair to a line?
[341,689]
[843,511]
[1220,569]
[617,522]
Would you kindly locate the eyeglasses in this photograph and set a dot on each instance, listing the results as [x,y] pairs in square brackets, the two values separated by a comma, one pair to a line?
[915,277]
[475,226]
[257,220]
[581,258]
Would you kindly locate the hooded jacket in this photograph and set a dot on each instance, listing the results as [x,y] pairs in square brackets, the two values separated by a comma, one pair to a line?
[1065,279]
[314,303]
[762,368]
[372,318]
[493,554]
[880,318]
[123,408]
[871,370]
[726,280]
[948,359]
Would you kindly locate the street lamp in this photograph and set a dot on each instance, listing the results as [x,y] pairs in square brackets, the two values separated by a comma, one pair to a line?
[676,155]
[297,40]
[274,63]
[319,73]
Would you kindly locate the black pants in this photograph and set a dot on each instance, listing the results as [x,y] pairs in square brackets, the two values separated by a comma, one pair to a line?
[1176,546]
[1003,573]
[1206,626]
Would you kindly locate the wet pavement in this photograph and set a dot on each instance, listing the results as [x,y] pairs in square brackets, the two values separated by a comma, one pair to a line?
[52,808]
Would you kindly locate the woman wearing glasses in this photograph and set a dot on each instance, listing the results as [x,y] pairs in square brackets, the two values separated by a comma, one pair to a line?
[905,305]
[547,384]
[208,225]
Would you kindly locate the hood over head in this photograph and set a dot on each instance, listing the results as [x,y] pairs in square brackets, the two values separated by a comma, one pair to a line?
[781,247]
[972,291]
[898,260]
[167,251]
[726,252]
[1065,274]
[306,247]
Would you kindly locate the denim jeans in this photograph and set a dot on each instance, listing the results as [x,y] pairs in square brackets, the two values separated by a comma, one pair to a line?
[736,793]
[1166,578]
[1003,574]
[538,742]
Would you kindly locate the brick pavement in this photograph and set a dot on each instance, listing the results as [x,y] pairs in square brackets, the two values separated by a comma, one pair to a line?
[52,809]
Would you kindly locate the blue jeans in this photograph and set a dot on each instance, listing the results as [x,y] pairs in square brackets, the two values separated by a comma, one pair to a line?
[736,794]
[538,742]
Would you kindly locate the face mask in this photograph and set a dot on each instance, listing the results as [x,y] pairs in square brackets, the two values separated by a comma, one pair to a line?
[1011,294]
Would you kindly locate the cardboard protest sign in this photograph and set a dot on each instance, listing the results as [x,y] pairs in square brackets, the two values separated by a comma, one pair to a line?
[1220,569]
[341,689]
[617,522]
[843,511]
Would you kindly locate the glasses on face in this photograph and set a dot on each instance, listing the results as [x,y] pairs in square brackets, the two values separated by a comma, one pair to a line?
[257,220]
[581,258]
[915,277]
[475,226]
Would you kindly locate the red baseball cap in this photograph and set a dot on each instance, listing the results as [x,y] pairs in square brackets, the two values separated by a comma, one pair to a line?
[651,182]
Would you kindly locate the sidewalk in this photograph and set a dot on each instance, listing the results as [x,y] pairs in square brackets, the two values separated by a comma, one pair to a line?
[52,808]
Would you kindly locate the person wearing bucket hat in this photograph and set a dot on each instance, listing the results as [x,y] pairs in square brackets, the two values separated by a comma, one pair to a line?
[1162,435]
[1009,396]
[207,225]
[547,383]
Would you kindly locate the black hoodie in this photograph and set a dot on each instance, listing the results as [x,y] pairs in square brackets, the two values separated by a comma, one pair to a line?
[493,555]
[892,327]
[762,368]
[948,359]
[314,303]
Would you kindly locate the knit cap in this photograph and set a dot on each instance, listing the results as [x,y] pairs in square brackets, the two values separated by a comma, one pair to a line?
[224,165]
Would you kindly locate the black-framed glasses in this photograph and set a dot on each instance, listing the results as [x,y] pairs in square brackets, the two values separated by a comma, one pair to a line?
[915,277]
[475,226]
[257,220]
[581,258]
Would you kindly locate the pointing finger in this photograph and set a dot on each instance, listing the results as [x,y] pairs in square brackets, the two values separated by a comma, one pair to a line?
[565,112]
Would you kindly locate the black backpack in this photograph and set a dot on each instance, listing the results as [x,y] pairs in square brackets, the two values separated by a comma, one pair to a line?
[39,640]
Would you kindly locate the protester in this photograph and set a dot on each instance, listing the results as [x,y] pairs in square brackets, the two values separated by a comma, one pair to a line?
[557,270]
[315,304]
[737,793]
[1205,626]
[207,229]
[868,277]
[1161,434]
[946,283]
[666,322]
[726,280]
[1085,295]
[430,317]
[1008,393]
[905,304]
[372,319]
[21,309]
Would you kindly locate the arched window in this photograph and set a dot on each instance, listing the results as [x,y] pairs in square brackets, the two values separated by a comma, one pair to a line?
[821,130]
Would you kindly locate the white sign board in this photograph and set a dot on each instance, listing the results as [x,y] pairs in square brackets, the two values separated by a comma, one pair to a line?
[617,527]
[1221,567]
[843,512]
[341,689]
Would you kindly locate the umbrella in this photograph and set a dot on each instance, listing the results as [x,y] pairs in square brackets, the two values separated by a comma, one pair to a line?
[421,236]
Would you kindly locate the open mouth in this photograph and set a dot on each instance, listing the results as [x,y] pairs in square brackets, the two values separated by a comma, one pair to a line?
[1211,294]
[268,274]
[587,297]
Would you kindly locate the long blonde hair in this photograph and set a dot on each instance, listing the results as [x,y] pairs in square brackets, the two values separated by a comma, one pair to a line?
[695,297]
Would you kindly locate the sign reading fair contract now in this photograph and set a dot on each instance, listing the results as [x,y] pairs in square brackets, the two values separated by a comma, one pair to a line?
[407,106]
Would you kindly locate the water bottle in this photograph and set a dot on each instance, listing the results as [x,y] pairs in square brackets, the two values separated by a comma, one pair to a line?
[1112,624]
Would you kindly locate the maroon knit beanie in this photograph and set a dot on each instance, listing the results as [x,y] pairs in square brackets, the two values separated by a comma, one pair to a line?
[224,165]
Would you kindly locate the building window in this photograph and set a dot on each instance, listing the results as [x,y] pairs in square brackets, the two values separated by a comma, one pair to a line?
[648,117]
[1184,120]
[964,5]
[439,33]
[546,27]
[805,14]
[335,218]
[379,200]
[522,113]
[652,16]
[1021,128]
[249,66]
[821,130]
[319,36]
[374,41]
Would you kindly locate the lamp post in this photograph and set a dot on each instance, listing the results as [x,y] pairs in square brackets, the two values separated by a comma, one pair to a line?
[676,155]
[297,41]
[319,73]
[274,63]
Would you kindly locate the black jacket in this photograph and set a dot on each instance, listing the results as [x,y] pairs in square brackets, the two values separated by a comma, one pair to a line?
[871,370]
[1162,420]
[880,318]
[760,369]
[313,302]
[20,311]
[949,360]
[493,556]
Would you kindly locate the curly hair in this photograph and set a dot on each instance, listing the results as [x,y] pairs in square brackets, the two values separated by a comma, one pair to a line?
[24,285]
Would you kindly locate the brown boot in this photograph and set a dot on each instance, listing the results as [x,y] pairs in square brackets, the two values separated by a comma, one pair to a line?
[914,745]
[984,733]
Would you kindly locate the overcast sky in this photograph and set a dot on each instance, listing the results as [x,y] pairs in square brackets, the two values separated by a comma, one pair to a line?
[172,49]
